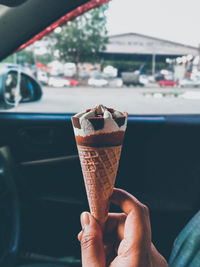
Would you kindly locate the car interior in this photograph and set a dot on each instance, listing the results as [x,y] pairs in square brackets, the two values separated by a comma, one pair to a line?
[42,192]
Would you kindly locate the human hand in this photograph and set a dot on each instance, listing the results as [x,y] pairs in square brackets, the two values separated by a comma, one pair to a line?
[126,241]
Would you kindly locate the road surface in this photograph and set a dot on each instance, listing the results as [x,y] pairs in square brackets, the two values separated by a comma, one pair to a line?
[152,100]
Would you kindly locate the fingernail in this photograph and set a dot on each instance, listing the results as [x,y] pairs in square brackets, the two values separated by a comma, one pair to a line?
[85,219]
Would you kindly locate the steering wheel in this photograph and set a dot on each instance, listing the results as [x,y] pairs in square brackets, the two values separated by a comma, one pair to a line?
[9,212]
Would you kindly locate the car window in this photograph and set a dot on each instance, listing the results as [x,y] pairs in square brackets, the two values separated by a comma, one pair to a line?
[141,57]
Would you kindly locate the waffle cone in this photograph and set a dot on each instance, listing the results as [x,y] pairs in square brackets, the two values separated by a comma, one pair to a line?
[99,166]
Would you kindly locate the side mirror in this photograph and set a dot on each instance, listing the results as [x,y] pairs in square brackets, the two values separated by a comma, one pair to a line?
[17,86]
[30,89]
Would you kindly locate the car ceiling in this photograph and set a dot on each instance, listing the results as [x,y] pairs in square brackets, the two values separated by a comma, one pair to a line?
[3,9]
[12,3]
[21,23]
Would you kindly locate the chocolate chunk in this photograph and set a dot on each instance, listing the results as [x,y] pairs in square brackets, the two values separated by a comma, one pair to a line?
[76,122]
[97,122]
[120,121]
[111,110]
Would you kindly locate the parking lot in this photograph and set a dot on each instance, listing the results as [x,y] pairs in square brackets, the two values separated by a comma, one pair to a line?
[134,100]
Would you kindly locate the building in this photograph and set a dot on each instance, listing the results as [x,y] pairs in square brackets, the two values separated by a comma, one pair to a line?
[138,47]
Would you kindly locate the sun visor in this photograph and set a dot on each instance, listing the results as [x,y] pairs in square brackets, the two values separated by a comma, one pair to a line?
[22,25]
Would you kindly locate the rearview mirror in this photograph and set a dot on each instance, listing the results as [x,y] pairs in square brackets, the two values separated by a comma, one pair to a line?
[16,86]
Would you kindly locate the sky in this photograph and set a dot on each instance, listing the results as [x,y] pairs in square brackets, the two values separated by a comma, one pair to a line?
[174,20]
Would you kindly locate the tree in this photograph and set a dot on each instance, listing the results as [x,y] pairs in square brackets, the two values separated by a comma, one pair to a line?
[25,56]
[81,40]
[22,57]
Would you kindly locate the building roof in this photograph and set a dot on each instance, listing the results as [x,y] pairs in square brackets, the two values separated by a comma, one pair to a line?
[134,43]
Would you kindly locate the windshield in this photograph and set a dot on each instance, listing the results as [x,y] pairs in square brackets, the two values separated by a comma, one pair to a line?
[141,57]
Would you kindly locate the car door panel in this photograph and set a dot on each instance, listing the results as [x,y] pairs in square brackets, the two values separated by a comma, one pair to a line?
[159,165]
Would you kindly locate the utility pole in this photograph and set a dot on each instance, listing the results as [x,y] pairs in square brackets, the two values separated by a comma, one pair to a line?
[15,58]
[199,58]
[153,63]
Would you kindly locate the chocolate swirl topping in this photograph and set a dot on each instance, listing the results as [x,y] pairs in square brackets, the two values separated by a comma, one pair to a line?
[98,116]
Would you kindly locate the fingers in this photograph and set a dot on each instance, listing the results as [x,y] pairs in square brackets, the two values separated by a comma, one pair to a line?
[113,234]
[137,227]
[92,248]
[80,236]
[115,225]
[110,253]
[114,228]
[131,228]
[126,201]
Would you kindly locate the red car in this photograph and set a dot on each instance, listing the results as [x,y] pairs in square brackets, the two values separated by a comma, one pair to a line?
[164,83]
[72,82]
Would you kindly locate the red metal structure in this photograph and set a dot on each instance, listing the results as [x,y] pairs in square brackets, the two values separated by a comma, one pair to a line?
[69,16]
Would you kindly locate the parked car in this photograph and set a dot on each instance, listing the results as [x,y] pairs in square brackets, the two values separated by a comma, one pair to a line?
[110,71]
[69,69]
[42,77]
[72,82]
[115,83]
[131,78]
[144,79]
[167,83]
[58,82]
[98,80]
[189,83]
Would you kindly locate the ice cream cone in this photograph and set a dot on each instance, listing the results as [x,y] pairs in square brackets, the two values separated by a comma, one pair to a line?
[99,134]
[99,167]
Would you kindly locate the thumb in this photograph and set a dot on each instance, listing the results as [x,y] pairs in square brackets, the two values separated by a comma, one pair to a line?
[92,248]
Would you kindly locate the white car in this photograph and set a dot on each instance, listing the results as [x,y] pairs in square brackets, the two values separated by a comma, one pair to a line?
[143,79]
[42,77]
[98,81]
[58,82]
[189,83]
[110,71]
[116,83]
[69,69]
